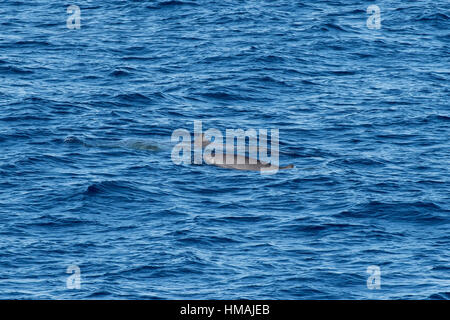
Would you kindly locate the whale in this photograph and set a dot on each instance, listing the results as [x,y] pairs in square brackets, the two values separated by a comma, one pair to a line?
[132,144]
[238,162]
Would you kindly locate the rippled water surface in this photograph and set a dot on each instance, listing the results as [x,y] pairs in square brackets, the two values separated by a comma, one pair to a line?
[86,176]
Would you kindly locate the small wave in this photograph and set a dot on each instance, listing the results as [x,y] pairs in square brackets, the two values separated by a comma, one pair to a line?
[414,212]
[32,43]
[48,221]
[100,294]
[207,240]
[134,97]
[327,27]
[119,73]
[356,162]
[308,82]
[271,58]
[440,296]
[321,228]
[13,70]
[332,26]
[266,80]
[222,96]
[107,186]
[435,16]
[25,118]
[171,4]
[442,268]
[239,220]
[438,118]
[137,58]
[118,189]
[343,72]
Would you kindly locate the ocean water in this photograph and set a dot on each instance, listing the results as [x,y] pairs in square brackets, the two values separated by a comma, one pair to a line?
[87,180]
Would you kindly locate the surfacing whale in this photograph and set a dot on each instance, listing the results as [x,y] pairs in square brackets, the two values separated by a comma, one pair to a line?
[127,144]
[239,162]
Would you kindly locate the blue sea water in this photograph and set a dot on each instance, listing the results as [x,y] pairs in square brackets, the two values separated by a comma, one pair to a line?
[86,176]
